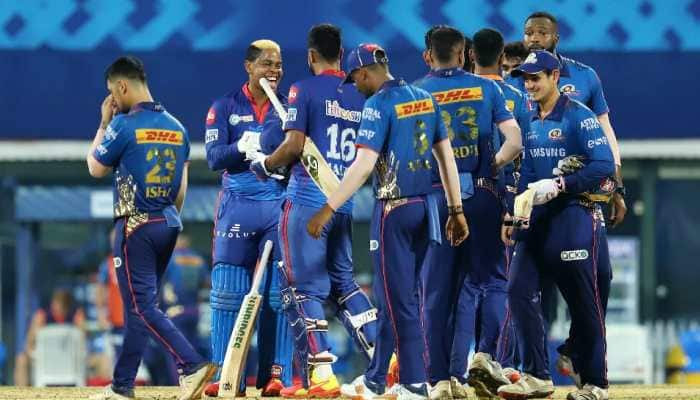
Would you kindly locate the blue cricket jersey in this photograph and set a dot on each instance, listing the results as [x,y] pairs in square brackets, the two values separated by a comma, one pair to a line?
[401,122]
[328,113]
[187,272]
[470,106]
[580,82]
[148,148]
[228,119]
[571,129]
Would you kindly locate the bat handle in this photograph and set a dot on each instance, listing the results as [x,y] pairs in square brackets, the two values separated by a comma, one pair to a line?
[262,264]
[273,98]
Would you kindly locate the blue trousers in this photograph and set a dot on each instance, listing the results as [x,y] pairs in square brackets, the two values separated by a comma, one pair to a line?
[465,288]
[142,256]
[399,242]
[563,242]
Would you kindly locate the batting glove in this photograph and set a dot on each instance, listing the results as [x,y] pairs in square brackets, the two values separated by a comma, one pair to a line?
[546,190]
[249,142]
[260,171]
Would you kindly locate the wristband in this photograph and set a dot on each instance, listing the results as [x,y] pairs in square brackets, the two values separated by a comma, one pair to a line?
[454,210]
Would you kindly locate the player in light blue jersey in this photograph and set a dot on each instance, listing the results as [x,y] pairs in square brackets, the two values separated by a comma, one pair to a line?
[401,124]
[568,164]
[321,129]
[472,276]
[149,151]
[246,217]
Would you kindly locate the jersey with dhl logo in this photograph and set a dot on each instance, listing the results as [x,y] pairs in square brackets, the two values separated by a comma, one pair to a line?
[470,106]
[148,148]
[401,122]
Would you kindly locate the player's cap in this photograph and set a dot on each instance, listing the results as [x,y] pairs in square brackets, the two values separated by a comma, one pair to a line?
[363,55]
[537,61]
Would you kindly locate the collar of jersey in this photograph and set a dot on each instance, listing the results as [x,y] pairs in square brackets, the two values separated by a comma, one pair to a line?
[443,72]
[557,112]
[259,111]
[494,77]
[147,105]
[392,83]
[332,72]
[563,62]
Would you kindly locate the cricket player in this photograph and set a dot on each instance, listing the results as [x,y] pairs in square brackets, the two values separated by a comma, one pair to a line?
[514,53]
[568,163]
[400,125]
[246,217]
[459,281]
[581,83]
[149,151]
[488,53]
[324,114]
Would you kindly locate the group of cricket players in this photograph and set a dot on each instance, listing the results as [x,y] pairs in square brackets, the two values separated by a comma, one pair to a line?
[488,192]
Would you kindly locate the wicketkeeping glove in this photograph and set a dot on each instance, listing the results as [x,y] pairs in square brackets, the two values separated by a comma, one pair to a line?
[546,190]
[568,165]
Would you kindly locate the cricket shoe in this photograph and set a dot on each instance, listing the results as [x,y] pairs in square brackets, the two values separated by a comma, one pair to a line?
[392,376]
[192,385]
[441,391]
[109,394]
[401,391]
[319,388]
[211,391]
[486,375]
[296,391]
[588,392]
[512,374]
[459,391]
[528,387]
[361,389]
[565,366]
[273,388]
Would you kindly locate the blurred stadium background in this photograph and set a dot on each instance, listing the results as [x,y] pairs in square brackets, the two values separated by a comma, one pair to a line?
[55,219]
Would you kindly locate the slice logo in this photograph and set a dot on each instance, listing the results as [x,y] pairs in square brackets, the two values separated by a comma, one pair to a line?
[574,255]
[373,245]
[117,262]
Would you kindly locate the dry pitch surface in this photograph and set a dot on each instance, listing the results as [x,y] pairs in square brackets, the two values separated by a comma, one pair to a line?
[636,392]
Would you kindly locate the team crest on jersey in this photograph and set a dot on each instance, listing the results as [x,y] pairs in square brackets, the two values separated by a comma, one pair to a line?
[161,136]
[235,119]
[568,89]
[412,108]
[555,134]
[457,95]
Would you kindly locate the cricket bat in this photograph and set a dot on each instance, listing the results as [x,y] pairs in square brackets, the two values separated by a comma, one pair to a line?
[239,343]
[311,158]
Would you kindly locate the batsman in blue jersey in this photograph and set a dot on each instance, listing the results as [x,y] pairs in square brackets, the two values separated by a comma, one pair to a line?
[459,281]
[246,217]
[568,165]
[400,126]
[321,129]
[148,149]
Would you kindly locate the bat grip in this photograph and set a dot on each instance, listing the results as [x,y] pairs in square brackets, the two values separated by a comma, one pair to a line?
[260,268]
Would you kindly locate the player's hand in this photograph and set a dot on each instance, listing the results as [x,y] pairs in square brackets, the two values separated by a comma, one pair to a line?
[507,230]
[257,166]
[618,209]
[319,221]
[545,190]
[109,109]
[249,142]
[456,229]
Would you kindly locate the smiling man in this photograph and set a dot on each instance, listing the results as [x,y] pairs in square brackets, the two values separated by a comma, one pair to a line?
[246,217]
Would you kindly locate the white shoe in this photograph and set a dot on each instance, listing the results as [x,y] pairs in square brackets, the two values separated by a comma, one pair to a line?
[192,385]
[441,391]
[358,389]
[486,375]
[408,392]
[459,391]
[528,387]
[109,394]
[588,392]
[512,374]
[566,367]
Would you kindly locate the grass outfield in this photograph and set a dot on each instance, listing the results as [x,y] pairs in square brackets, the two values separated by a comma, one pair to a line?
[636,392]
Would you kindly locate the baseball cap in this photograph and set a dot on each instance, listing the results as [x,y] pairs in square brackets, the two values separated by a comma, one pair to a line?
[537,61]
[363,55]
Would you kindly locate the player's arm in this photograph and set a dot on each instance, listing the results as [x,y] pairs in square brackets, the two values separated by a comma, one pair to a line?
[599,162]
[296,128]
[223,151]
[288,151]
[513,145]
[95,167]
[180,199]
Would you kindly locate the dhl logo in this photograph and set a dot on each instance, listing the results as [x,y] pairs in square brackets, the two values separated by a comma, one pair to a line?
[144,136]
[418,107]
[457,95]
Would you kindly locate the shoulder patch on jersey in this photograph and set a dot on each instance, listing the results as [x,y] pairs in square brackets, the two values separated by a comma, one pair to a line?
[510,105]
[211,116]
[293,94]
[460,94]
[211,135]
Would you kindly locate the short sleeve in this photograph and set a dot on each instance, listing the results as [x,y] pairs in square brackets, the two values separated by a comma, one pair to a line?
[440,128]
[597,102]
[374,126]
[298,111]
[113,144]
[500,111]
